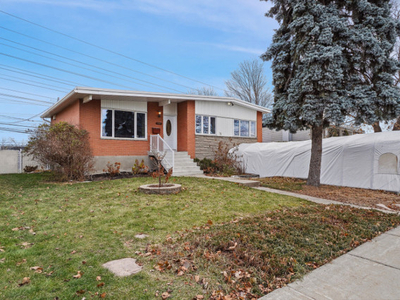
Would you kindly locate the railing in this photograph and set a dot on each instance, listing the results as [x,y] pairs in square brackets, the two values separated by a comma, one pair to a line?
[160,147]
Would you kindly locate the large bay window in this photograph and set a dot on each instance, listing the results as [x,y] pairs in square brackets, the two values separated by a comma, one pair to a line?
[205,124]
[123,124]
[244,128]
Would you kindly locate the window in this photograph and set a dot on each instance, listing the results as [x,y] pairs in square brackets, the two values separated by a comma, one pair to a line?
[244,128]
[123,124]
[205,125]
[387,163]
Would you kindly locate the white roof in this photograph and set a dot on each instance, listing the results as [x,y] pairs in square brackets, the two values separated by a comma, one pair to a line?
[98,94]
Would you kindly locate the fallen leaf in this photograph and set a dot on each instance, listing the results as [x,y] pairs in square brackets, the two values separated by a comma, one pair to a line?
[2,260]
[98,278]
[15,229]
[21,262]
[26,280]
[2,250]
[209,222]
[232,247]
[103,295]
[101,284]
[73,252]
[197,278]
[79,275]
[37,269]
[80,292]
[199,297]
[165,295]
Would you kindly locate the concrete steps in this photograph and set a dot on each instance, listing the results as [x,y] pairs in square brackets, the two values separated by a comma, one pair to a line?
[185,166]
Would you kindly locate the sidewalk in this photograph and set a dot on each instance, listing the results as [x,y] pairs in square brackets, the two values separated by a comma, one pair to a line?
[371,271]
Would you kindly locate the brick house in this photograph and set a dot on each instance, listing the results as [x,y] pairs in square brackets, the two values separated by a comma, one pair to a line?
[122,123]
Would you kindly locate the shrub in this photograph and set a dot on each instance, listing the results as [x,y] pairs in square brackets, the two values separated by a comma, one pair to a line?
[112,169]
[63,146]
[206,165]
[140,168]
[226,159]
[29,169]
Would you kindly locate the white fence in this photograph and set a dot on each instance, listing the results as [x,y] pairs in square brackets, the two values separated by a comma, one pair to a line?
[14,161]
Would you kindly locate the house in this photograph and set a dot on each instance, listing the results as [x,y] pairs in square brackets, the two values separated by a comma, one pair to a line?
[126,125]
[269,135]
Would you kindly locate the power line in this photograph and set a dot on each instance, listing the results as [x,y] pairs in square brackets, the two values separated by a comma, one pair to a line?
[83,63]
[13,130]
[34,81]
[41,77]
[93,57]
[25,98]
[105,49]
[41,96]
[21,101]
[63,70]
[43,87]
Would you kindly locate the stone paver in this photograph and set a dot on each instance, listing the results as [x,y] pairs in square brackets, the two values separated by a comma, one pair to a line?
[123,267]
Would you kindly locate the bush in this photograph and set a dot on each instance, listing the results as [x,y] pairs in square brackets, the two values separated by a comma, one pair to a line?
[63,146]
[226,160]
[29,169]
[140,168]
[112,169]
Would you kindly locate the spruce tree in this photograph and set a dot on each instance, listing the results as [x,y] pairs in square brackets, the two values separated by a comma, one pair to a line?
[330,59]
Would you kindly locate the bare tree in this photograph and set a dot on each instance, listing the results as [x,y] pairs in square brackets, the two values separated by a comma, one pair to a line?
[205,91]
[249,83]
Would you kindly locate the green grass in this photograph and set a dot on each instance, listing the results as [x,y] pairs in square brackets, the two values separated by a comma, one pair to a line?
[99,220]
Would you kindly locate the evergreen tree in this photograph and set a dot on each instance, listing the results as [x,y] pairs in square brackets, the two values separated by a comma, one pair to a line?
[330,59]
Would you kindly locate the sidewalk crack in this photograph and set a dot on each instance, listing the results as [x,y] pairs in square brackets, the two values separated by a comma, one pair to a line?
[378,262]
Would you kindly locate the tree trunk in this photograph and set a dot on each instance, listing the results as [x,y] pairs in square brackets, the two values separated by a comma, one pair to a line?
[377,127]
[396,125]
[314,173]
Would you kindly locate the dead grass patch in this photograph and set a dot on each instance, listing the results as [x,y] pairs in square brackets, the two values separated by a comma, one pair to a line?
[357,196]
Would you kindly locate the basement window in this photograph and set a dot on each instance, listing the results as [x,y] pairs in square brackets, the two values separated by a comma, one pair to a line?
[123,124]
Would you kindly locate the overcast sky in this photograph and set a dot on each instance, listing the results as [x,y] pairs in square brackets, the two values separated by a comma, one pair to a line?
[203,40]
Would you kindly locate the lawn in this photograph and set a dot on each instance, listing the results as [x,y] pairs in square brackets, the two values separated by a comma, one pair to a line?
[212,227]
[357,196]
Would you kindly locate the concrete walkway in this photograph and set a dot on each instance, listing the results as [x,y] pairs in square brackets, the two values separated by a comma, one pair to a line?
[371,271]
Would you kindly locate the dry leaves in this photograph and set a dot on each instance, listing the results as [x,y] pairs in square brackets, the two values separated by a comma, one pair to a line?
[98,278]
[37,269]
[79,275]
[165,295]
[25,281]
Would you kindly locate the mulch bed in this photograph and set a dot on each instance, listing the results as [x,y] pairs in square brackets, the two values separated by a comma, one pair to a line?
[121,175]
[357,196]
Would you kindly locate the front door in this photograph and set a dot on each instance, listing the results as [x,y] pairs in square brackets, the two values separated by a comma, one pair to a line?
[170,131]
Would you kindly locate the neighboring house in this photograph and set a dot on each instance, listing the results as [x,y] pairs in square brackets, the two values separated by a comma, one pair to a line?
[269,135]
[122,124]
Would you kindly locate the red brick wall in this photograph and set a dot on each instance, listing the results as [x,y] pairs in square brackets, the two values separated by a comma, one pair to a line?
[90,119]
[186,128]
[69,114]
[259,126]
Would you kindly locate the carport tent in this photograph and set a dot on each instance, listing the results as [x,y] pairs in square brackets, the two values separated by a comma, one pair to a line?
[365,161]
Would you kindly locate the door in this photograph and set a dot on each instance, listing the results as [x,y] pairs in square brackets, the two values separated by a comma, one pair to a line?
[170,131]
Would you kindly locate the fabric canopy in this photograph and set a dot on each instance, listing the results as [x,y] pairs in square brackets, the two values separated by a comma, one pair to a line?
[365,161]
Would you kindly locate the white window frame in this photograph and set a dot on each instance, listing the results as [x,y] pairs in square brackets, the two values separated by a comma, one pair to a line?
[113,124]
[209,125]
[249,129]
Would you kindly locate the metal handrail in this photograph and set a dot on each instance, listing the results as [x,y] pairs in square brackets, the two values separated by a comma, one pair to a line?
[158,145]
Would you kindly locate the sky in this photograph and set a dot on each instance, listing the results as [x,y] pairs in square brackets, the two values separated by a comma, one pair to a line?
[48,47]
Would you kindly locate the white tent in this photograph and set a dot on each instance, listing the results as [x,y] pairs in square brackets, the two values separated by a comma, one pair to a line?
[366,160]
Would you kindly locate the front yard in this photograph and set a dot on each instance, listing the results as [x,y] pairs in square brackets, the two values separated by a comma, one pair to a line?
[213,240]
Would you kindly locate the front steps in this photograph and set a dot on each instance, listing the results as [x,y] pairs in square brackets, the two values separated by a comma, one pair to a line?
[185,166]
